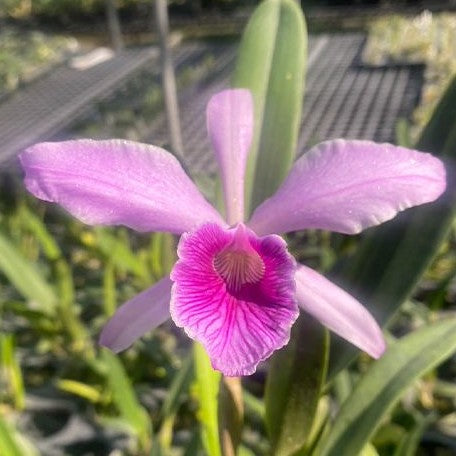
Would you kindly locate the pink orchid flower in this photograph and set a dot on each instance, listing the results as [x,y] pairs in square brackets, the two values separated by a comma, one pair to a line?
[235,288]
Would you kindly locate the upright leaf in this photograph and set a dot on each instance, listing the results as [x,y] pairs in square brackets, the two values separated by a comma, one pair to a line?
[162,254]
[271,64]
[380,388]
[208,382]
[293,388]
[61,275]
[177,389]
[125,400]
[12,443]
[11,369]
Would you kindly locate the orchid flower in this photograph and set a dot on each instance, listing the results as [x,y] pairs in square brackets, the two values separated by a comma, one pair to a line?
[235,288]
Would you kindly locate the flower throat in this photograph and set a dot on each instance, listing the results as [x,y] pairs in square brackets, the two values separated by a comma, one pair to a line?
[239,263]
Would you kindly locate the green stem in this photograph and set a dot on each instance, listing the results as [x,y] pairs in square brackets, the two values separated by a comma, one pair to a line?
[231,414]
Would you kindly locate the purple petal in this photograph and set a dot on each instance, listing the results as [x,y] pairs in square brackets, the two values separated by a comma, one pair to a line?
[347,186]
[137,316]
[117,183]
[230,127]
[339,311]
[240,317]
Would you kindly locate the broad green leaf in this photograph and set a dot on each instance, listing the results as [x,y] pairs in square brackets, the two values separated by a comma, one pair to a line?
[342,385]
[124,398]
[271,63]
[441,125]
[293,387]
[25,277]
[208,382]
[382,385]
[391,258]
[319,425]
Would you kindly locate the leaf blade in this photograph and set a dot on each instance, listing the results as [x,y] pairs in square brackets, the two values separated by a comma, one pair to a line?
[379,389]
[25,277]
[208,381]
[294,384]
[271,63]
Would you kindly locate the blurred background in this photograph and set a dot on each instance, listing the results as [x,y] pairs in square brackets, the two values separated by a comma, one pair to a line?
[93,68]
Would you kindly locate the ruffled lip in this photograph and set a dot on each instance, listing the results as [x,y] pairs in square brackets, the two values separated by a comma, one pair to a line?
[239,326]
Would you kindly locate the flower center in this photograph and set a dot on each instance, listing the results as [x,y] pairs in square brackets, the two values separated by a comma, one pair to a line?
[238,263]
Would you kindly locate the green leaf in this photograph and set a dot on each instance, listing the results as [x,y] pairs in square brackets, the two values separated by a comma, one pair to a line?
[37,320]
[62,276]
[193,448]
[253,405]
[79,389]
[177,389]
[162,254]
[319,426]
[109,288]
[294,384]
[379,389]
[12,443]
[342,385]
[391,258]
[409,444]
[12,370]
[8,445]
[179,386]
[441,126]
[244,451]
[369,450]
[124,398]
[208,382]
[271,63]
[118,250]
[30,221]
[403,137]
[25,277]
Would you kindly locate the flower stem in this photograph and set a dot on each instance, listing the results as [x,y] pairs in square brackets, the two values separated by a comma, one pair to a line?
[231,414]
